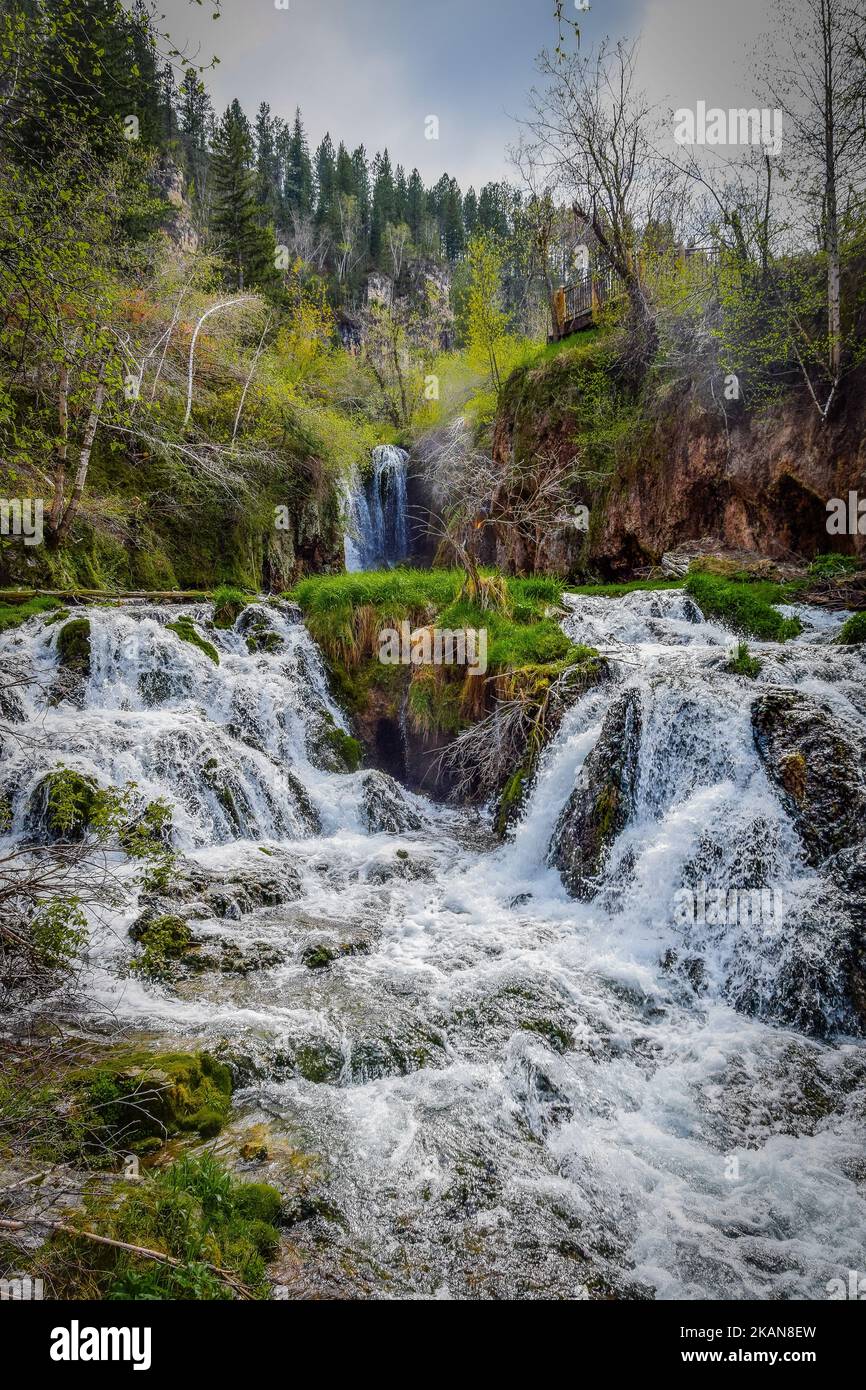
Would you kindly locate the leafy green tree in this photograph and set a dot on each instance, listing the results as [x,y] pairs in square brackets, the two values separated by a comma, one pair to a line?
[487,323]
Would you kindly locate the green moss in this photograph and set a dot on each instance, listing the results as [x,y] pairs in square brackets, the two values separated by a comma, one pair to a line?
[853,630]
[164,940]
[186,630]
[511,799]
[747,607]
[349,749]
[130,1097]
[73,646]
[258,1201]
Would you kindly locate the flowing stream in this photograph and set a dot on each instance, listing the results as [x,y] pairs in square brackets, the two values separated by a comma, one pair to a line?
[378,513]
[491,1090]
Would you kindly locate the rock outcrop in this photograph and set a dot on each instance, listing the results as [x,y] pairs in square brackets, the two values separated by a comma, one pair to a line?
[602,803]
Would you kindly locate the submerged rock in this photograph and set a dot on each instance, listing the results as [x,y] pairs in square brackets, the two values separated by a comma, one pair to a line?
[602,803]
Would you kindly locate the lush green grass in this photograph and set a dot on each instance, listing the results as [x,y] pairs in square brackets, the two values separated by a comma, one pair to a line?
[14,614]
[617,590]
[345,612]
[745,607]
[525,643]
[833,566]
[195,1211]
[853,631]
[228,603]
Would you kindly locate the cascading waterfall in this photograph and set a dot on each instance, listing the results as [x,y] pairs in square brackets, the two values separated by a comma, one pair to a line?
[498,1090]
[378,512]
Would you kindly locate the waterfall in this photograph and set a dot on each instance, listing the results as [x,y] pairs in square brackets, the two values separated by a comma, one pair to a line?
[378,513]
[505,1088]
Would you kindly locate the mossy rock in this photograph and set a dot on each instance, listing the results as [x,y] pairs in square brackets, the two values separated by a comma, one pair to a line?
[228,604]
[348,749]
[258,1201]
[169,936]
[73,646]
[131,1097]
[187,631]
[63,804]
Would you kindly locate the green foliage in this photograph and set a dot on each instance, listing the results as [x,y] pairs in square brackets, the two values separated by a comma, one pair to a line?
[14,614]
[853,630]
[747,607]
[744,664]
[72,803]
[58,933]
[833,566]
[194,1211]
[164,940]
[228,604]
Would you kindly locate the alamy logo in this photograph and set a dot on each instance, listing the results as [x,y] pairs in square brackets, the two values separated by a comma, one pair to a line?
[23,1290]
[703,906]
[77,1343]
[855,1288]
[847,518]
[22,516]
[433,646]
[738,126]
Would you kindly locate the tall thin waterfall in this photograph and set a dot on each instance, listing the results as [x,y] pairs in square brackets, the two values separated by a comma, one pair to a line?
[379,513]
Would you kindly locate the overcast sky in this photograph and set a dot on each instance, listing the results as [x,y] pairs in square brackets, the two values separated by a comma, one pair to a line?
[371,71]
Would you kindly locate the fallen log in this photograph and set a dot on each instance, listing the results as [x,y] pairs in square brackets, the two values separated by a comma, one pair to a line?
[103,596]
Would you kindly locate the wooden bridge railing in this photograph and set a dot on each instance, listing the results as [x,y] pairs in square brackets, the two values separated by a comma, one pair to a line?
[577,306]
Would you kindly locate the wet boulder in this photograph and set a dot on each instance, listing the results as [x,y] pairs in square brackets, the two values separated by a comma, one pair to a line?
[818,762]
[602,803]
[73,663]
[385,807]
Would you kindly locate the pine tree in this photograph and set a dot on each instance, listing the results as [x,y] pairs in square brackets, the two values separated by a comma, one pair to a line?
[298,188]
[362,188]
[267,165]
[383,204]
[493,209]
[195,116]
[455,235]
[326,176]
[470,211]
[247,247]
[416,206]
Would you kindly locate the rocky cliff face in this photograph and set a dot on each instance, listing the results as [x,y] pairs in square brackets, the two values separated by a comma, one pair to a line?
[757,482]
